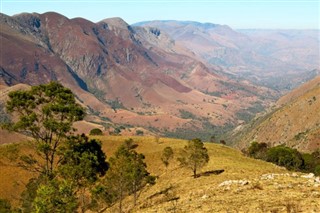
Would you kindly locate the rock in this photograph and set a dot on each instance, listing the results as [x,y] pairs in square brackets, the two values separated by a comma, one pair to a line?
[294,175]
[205,197]
[310,175]
[244,182]
[236,182]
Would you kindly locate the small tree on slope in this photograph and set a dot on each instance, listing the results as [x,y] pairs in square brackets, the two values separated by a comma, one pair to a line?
[194,156]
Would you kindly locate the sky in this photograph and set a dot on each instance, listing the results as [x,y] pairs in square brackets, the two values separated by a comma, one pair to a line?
[238,14]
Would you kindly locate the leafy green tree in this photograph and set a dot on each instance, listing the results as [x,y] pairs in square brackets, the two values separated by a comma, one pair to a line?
[127,173]
[95,131]
[55,196]
[139,132]
[285,156]
[317,170]
[309,163]
[167,155]
[83,161]
[30,193]
[258,150]
[45,112]
[194,156]
[5,206]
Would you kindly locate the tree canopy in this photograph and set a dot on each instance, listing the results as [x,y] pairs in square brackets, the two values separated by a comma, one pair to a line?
[45,112]
[194,156]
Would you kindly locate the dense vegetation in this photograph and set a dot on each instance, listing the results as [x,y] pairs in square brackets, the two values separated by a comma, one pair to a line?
[290,158]
[72,170]
[95,131]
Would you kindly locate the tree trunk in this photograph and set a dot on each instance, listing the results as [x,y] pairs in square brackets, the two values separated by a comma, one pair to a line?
[120,200]
[134,194]
[82,204]
[194,173]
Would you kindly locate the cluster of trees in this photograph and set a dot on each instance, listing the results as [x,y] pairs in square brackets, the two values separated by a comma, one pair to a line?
[290,158]
[193,156]
[73,172]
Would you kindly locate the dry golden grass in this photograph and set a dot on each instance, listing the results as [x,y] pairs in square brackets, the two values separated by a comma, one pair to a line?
[177,191]
[204,194]
[13,179]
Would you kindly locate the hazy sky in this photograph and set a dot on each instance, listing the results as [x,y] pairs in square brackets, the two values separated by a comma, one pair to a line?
[267,14]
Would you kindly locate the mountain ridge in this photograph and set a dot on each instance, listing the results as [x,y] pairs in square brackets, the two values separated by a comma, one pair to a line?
[294,121]
[129,75]
[257,55]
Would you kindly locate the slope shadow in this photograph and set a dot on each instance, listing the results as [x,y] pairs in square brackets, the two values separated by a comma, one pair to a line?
[211,172]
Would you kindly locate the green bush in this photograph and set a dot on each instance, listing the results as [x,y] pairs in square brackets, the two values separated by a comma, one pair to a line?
[139,132]
[285,156]
[317,170]
[95,131]
[5,206]
[309,162]
[258,150]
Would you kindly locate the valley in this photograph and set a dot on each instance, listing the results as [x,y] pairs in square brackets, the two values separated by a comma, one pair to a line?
[126,92]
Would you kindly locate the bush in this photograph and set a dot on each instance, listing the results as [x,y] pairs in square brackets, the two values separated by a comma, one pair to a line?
[95,131]
[285,156]
[309,162]
[139,132]
[317,170]
[258,150]
[5,206]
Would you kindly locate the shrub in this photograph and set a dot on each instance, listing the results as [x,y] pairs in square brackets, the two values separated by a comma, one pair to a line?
[258,150]
[309,162]
[5,206]
[95,131]
[285,156]
[139,132]
[317,170]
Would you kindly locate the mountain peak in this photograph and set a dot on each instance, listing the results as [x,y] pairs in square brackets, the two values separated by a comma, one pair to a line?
[117,22]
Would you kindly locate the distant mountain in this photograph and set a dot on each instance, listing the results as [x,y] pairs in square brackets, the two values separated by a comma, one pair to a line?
[124,75]
[294,121]
[280,59]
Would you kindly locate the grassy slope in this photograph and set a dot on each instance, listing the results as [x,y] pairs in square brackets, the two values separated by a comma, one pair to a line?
[295,122]
[202,194]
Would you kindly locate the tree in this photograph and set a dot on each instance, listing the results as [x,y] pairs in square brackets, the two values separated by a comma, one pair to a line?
[45,112]
[5,206]
[258,150]
[55,196]
[194,156]
[127,173]
[139,132]
[167,154]
[95,131]
[82,162]
[285,156]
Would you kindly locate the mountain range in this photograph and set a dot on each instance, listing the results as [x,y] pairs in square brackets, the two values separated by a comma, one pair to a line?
[181,79]
[274,58]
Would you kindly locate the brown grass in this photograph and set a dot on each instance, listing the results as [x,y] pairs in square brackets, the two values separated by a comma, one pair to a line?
[177,191]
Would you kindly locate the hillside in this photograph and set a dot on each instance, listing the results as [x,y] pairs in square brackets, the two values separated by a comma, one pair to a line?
[280,59]
[294,121]
[252,189]
[128,76]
